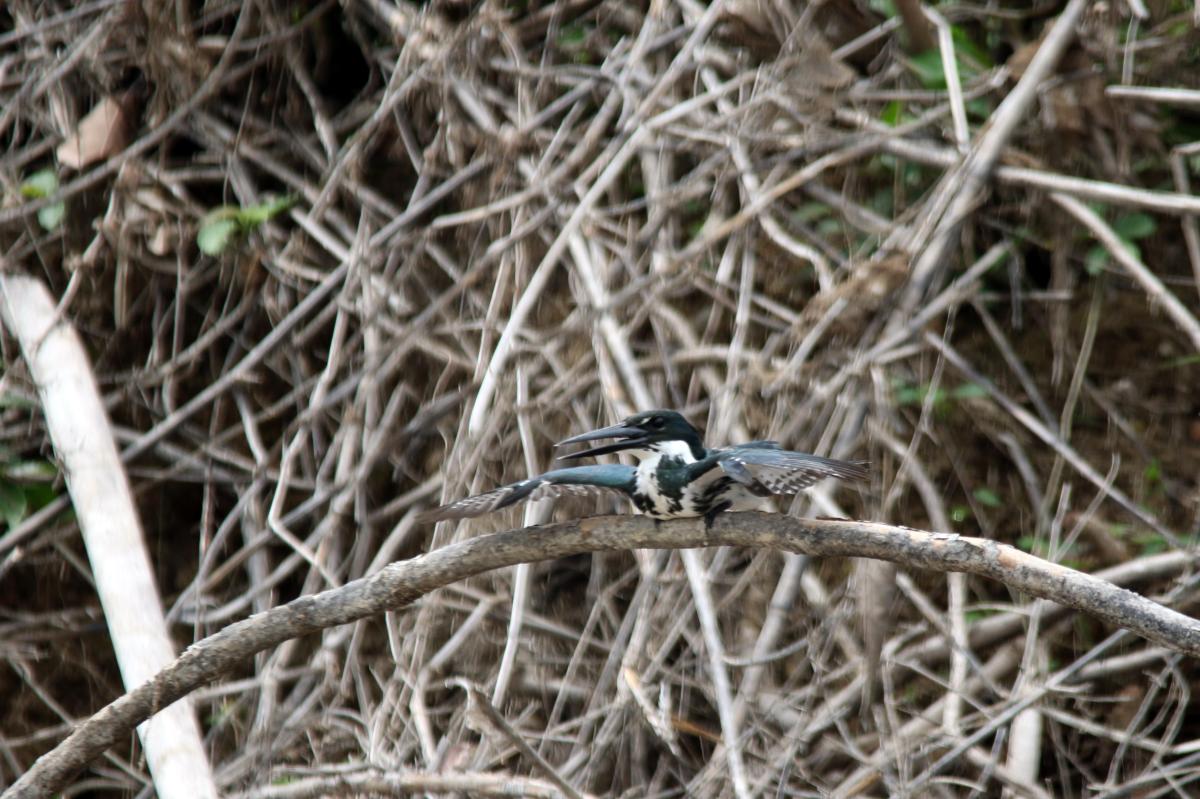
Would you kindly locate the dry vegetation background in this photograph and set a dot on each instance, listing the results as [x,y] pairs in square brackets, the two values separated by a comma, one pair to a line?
[514,221]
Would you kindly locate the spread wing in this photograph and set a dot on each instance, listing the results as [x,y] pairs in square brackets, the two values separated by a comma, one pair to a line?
[609,479]
[764,468]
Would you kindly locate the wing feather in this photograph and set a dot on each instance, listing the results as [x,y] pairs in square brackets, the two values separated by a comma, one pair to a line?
[762,465]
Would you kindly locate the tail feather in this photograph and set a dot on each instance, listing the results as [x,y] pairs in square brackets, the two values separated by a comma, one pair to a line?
[480,504]
[599,479]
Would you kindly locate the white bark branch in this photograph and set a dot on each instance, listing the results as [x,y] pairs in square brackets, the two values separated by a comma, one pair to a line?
[108,520]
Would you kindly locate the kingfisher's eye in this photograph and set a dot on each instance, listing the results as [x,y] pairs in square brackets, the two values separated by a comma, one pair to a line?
[657,422]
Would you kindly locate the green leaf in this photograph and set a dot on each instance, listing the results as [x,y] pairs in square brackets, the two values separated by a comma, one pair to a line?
[909,394]
[811,211]
[1132,227]
[969,57]
[1096,259]
[914,175]
[214,236]
[1153,472]
[39,495]
[1151,543]
[1183,360]
[980,614]
[986,497]
[927,66]
[884,8]
[1129,229]
[39,185]
[966,49]
[883,201]
[42,183]
[16,401]
[831,227]
[30,471]
[255,215]
[1023,233]
[13,506]
[959,514]
[890,115]
[980,108]
[52,215]
[220,225]
[968,391]
[571,36]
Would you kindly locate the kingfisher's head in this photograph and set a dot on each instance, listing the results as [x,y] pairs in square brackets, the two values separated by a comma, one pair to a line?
[645,430]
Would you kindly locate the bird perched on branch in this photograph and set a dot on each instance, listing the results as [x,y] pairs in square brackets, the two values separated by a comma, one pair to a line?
[676,475]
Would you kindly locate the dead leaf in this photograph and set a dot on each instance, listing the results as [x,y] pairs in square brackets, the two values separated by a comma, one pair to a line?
[817,62]
[747,24]
[163,240]
[100,134]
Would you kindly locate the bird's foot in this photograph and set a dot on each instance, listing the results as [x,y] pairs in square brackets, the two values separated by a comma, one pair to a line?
[711,516]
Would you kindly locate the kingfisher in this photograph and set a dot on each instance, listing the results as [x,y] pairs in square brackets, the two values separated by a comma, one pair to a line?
[676,475]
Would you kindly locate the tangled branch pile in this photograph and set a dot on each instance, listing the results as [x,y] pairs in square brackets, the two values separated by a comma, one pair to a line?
[337,263]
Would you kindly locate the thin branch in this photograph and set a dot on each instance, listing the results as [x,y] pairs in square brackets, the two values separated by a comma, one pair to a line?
[488,716]
[698,578]
[1166,202]
[405,783]
[1149,282]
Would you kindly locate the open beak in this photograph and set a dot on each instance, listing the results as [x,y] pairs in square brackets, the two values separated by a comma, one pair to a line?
[631,438]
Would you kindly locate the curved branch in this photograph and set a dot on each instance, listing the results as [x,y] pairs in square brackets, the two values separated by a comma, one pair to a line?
[399,584]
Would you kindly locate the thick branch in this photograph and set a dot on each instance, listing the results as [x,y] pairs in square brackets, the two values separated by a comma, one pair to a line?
[109,525]
[399,584]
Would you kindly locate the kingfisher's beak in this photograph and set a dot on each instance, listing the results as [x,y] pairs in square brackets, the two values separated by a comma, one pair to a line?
[631,438]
